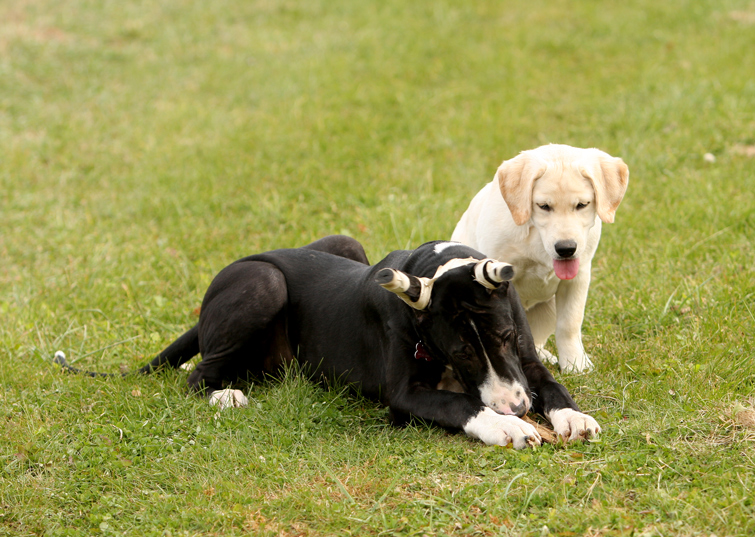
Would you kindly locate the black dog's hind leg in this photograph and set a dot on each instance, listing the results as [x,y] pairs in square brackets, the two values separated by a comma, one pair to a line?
[187,346]
[242,325]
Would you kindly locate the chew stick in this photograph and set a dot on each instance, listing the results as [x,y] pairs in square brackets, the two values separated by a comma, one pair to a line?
[548,435]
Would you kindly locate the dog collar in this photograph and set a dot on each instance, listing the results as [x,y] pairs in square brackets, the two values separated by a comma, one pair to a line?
[420,353]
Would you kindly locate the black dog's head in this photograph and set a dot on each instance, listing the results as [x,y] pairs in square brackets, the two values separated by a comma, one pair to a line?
[465,318]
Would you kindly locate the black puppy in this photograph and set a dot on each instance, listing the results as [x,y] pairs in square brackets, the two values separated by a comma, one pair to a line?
[437,333]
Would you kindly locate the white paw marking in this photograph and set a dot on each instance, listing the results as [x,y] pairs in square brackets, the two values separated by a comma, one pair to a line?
[497,429]
[228,398]
[571,425]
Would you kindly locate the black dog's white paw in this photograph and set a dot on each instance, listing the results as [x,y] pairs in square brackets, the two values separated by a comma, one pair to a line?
[228,398]
[570,424]
[502,430]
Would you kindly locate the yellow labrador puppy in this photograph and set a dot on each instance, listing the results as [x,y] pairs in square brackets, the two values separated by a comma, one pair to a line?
[542,213]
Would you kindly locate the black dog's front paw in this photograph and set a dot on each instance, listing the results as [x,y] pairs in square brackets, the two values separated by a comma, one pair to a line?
[502,430]
[571,424]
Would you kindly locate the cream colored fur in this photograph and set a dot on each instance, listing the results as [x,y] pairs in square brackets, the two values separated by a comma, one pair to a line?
[542,196]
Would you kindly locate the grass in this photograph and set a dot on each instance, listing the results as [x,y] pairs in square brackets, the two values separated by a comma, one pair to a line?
[145,145]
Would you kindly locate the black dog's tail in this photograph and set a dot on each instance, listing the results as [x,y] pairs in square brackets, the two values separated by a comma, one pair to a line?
[180,351]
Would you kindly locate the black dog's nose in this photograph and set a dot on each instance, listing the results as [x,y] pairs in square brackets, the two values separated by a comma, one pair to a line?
[520,409]
[566,248]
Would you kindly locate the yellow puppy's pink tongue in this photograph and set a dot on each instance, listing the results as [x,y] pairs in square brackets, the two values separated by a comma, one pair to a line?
[566,269]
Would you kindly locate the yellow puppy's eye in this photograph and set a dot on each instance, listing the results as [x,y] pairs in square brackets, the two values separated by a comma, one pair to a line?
[544,206]
[581,205]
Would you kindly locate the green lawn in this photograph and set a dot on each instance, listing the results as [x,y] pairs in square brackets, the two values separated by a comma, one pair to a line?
[145,145]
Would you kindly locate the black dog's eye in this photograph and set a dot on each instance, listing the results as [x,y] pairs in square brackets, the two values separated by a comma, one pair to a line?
[581,205]
[545,207]
[508,335]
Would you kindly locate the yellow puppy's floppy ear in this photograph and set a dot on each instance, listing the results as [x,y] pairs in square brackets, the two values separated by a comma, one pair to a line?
[516,178]
[610,178]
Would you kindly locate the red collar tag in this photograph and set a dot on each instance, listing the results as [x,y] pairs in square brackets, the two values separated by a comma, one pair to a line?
[420,353]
